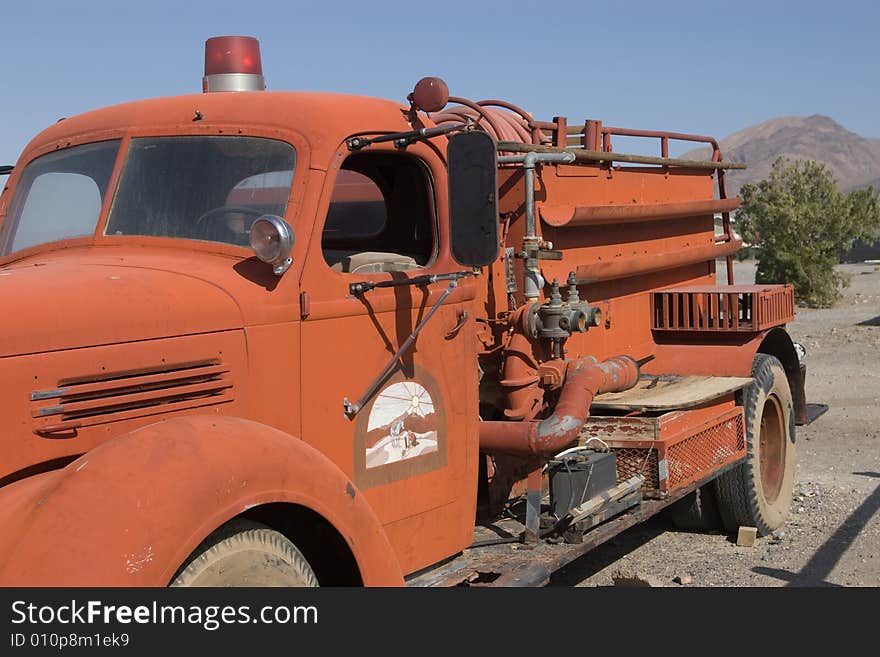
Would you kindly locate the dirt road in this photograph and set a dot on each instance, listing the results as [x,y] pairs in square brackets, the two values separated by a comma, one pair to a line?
[832,537]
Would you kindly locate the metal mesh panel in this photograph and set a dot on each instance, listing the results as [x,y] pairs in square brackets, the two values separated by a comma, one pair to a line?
[696,455]
[631,461]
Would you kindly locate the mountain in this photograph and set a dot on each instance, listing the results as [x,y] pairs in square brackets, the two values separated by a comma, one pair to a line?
[855,160]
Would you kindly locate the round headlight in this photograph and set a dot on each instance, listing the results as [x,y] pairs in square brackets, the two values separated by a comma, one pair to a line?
[272,241]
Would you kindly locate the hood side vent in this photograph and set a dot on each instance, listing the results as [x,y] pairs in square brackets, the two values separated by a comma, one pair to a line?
[114,396]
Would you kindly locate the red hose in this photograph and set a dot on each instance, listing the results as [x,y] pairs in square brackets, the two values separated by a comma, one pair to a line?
[500,124]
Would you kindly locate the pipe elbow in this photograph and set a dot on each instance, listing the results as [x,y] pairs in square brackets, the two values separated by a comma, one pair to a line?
[585,378]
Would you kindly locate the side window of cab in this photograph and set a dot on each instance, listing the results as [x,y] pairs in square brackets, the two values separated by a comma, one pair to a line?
[381,216]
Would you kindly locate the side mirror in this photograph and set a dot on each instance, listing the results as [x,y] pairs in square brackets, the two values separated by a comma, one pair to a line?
[473,198]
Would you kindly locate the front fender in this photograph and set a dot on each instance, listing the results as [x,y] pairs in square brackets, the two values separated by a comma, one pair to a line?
[129,512]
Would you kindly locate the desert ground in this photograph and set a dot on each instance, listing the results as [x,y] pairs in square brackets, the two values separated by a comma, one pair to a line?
[832,537]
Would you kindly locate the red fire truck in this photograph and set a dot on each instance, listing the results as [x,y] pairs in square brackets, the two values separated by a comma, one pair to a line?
[262,337]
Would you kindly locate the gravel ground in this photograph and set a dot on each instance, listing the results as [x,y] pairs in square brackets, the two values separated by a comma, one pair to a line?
[832,537]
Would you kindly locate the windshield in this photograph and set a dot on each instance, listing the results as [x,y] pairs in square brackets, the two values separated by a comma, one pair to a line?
[59,196]
[204,188]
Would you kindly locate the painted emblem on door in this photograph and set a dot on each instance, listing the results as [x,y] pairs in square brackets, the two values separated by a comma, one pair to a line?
[403,424]
[401,433]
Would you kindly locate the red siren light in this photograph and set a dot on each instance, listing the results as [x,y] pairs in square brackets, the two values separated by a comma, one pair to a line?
[232,63]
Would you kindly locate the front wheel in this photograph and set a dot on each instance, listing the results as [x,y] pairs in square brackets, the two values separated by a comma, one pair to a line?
[758,492]
[245,553]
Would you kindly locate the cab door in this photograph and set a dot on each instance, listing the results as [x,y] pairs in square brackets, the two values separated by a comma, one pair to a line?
[412,449]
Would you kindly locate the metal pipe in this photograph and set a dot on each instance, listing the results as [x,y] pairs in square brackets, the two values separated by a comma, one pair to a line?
[597,156]
[584,380]
[534,282]
[529,160]
[533,505]
[728,231]
[587,215]
[662,134]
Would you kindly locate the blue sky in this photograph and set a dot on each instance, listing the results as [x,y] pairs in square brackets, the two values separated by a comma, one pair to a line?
[703,67]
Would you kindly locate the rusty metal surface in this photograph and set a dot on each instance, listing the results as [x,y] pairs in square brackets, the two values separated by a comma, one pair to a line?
[746,308]
[502,565]
[670,392]
[691,458]
[685,445]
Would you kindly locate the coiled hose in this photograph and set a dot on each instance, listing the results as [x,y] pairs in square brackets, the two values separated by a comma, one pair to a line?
[502,121]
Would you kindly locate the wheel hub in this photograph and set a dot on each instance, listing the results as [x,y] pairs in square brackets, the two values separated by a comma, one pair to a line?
[772,448]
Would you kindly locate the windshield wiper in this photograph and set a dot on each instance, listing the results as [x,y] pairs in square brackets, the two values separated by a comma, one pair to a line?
[6,169]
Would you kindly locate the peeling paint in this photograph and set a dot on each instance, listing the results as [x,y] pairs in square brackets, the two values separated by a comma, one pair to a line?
[136,562]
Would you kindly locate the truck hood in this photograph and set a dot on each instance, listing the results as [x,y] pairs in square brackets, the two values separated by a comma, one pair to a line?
[62,305]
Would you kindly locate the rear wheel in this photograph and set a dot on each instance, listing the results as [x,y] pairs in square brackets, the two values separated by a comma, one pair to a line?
[245,553]
[758,492]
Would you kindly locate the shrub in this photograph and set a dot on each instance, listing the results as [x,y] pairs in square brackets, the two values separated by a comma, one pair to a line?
[801,224]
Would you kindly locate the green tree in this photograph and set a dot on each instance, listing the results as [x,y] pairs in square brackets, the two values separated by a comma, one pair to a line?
[801,224]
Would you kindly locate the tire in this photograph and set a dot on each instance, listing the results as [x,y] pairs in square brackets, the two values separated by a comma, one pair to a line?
[697,511]
[758,492]
[245,553]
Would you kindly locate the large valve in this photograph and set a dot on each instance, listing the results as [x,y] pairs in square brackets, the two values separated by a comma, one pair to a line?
[556,319]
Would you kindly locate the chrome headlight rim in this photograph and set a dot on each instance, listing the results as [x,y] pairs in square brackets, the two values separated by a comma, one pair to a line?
[280,259]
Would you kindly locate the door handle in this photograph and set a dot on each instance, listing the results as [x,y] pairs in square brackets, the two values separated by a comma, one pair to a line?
[462,320]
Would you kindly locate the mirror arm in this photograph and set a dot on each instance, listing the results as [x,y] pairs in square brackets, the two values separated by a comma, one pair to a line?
[358,289]
[351,410]
[403,139]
